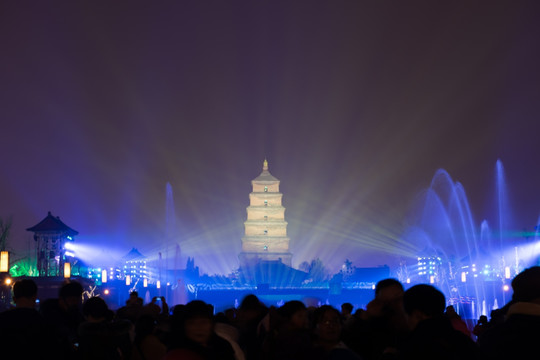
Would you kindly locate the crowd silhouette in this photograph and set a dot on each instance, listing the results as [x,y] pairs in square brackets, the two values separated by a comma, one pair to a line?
[397,324]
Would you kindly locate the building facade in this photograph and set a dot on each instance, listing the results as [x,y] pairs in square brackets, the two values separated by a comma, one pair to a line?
[265,236]
[51,236]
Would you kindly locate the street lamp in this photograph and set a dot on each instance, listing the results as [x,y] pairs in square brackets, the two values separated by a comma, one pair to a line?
[4,261]
[67,270]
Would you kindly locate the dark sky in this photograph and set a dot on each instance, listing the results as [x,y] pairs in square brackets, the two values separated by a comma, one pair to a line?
[355,104]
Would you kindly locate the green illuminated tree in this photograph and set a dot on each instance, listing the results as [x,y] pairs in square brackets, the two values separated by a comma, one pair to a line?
[23,267]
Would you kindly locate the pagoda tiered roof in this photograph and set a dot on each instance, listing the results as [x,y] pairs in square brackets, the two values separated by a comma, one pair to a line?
[265,175]
[52,224]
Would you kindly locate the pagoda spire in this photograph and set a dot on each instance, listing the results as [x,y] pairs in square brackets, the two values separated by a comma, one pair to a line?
[265,164]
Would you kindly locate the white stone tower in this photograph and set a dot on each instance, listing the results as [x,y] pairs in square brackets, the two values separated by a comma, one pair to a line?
[265,228]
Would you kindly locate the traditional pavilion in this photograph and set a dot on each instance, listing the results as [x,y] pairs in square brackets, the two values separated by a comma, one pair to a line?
[265,228]
[51,236]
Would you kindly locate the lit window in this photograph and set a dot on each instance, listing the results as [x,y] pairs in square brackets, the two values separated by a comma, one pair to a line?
[265,247]
[266,189]
[265,232]
[265,202]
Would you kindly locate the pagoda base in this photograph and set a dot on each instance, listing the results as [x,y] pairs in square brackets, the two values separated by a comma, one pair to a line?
[252,258]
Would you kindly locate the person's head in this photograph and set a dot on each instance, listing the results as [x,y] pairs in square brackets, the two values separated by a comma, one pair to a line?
[526,285]
[388,290]
[25,293]
[422,302]
[221,318]
[134,300]
[483,319]
[70,294]
[294,313]
[198,324]
[346,308]
[153,308]
[250,302]
[231,314]
[451,311]
[327,324]
[95,309]
[251,309]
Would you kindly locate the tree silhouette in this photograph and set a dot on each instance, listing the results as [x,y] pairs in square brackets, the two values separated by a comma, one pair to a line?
[5,227]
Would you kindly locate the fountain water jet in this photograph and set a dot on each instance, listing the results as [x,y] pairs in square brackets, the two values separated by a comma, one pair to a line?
[170,219]
[465,261]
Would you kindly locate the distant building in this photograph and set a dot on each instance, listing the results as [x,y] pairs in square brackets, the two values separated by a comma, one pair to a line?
[51,236]
[265,227]
[429,268]
[134,266]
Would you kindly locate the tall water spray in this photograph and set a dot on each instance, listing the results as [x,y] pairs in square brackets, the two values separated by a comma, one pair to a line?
[170,216]
[503,213]
[170,221]
[179,293]
[461,258]
[445,219]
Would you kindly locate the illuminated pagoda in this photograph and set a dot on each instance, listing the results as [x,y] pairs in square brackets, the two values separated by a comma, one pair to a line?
[265,228]
[51,236]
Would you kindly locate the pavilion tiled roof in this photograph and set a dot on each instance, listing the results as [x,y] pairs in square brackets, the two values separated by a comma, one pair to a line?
[52,224]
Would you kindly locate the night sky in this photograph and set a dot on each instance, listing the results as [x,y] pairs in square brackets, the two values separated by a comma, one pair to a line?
[355,104]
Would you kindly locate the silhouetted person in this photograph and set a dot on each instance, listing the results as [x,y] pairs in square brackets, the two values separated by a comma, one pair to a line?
[147,345]
[456,320]
[133,308]
[327,335]
[157,307]
[23,334]
[224,328]
[193,334]
[376,332]
[99,336]
[432,335]
[516,337]
[133,297]
[63,316]
[289,335]
[481,326]
[249,315]
[347,310]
